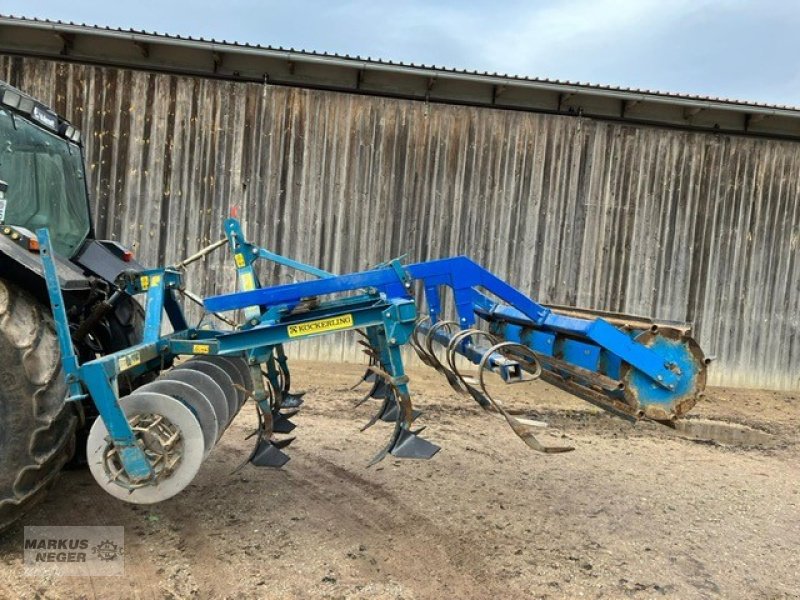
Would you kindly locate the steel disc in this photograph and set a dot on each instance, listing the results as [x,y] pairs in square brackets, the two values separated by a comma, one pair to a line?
[222,379]
[197,402]
[187,451]
[239,372]
[210,390]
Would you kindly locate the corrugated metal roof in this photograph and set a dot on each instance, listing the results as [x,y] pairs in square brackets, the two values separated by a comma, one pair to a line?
[381,61]
[304,68]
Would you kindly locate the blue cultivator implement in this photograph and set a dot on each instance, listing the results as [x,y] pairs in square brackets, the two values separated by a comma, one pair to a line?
[147,446]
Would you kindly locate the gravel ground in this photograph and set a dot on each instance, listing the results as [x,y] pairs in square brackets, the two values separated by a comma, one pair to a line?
[633,512]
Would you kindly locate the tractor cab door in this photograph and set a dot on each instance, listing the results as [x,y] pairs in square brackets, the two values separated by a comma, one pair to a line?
[45,178]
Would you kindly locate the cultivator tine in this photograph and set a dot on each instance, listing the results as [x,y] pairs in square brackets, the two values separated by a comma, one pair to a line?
[293,400]
[380,390]
[405,443]
[388,411]
[391,413]
[368,376]
[266,451]
[281,423]
[388,400]
[287,398]
[268,454]
[524,431]
[285,442]
[409,445]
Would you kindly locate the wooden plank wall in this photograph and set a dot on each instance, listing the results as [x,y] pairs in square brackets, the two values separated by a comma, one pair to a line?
[674,224]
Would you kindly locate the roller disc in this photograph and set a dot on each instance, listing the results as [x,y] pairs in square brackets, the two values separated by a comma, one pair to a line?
[238,371]
[222,379]
[686,359]
[156,418]
[197,402]
[210,390]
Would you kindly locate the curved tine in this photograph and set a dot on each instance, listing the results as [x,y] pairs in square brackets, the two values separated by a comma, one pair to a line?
[454,382]
[384,405]
[371,391]
[416,345]
[524,432]
[385,450]
[262,421]
[450,357]
[429,339]
[457,339]
[273,398]
[450,351]
[479,397]
[372,361]
[530,355]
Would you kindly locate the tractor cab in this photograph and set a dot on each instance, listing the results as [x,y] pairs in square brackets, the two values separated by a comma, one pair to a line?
[41,164]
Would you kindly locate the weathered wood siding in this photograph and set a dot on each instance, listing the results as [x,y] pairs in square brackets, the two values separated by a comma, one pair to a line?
[673,224]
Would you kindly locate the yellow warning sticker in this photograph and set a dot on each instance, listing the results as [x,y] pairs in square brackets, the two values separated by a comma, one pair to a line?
[200,349]
[320,326]
[248,283]
[144,282]
[155,280]
[129,361]
[239,258]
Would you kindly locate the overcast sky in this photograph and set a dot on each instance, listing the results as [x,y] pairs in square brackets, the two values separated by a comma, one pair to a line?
[743,49]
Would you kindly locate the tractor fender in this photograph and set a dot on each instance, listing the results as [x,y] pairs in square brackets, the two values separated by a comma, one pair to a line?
[23,266]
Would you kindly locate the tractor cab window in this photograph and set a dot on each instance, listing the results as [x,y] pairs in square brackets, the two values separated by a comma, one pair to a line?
[45,183]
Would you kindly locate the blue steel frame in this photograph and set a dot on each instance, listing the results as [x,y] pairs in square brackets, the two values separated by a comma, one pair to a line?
[464,277]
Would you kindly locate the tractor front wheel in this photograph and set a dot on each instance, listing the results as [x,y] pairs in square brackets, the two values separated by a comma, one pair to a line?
[36,426]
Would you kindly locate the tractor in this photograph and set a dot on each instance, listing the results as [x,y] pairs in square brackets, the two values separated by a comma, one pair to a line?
[43,184]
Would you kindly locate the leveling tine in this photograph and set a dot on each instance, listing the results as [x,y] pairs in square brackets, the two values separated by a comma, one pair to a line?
[523,431]
[462,336]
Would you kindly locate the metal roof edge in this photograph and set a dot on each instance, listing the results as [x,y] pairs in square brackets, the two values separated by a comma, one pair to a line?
[409,80]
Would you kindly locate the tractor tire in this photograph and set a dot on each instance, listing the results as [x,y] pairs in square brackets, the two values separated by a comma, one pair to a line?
[36,426]
[126,325]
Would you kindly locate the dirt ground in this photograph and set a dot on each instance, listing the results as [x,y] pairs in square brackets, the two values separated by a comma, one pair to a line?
[633,512]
